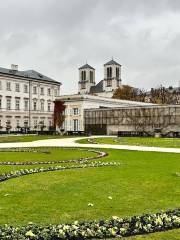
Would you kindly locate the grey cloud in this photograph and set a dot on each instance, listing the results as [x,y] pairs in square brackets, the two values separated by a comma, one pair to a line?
[56,36]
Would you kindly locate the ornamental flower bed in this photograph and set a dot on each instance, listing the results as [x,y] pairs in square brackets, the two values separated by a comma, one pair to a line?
[100,154]
[23,172]
[115,227]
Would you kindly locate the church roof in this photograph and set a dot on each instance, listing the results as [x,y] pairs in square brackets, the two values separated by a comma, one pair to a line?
[86,66]
[98,88]
[112,62]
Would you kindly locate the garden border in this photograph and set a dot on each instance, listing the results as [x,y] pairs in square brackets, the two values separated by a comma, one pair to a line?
[103,229]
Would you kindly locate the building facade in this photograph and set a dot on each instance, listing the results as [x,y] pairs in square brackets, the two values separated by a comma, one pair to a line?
[147,119]
[76,104]
[106,87]
[26,99]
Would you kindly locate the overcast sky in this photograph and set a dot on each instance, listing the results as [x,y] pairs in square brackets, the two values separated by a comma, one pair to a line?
[55,37]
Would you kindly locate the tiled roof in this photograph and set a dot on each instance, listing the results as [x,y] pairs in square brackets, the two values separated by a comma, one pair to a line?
[86,66]
[112,62]
[27,74]
[98,88]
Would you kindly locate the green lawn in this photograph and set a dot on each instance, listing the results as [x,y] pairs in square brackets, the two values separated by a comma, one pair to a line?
[144,183]
[137,141]
[169,235]
[28,138]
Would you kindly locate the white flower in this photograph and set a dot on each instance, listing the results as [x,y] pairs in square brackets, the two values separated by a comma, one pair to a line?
[7,194]
[110,197]
[90,204]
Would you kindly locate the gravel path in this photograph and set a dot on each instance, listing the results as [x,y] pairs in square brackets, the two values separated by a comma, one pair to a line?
[71,142]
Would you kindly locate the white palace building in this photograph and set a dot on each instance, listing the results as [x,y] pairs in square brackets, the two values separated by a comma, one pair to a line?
[26,99]
[91,95]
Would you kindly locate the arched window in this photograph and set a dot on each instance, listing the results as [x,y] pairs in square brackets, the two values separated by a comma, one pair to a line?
[83,76]
[117,72]
[109,72]
[91,76]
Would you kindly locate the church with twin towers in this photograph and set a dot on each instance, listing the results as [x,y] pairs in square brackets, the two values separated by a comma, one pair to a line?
[106,87]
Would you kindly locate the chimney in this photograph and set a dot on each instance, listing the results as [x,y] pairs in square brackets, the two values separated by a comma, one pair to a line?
[14,67]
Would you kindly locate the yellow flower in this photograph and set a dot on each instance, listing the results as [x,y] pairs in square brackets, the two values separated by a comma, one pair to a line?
[30,234]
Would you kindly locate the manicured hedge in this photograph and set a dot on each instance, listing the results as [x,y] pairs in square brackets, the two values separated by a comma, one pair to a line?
[115,227]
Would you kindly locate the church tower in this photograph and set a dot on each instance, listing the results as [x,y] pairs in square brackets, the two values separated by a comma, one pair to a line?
[86,79]
[112,76]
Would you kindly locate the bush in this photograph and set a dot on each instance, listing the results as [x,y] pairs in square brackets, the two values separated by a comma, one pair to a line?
[115,227]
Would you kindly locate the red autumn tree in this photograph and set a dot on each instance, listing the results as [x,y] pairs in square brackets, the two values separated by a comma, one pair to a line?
[59,116]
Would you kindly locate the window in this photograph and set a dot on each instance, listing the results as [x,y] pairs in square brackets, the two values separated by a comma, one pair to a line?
[8,86]
[17,123]
[117,72]
[17,104]
[109,72]
[17,87]
[50,123]
[75,111]
[25,88]
[75,124]
[35,123]
[49,92]
[42,105]
[35,106]
[56,92]
[0,103]
[26,123]
[49,106]
[34,90]
[83,75]
[91,77]
[8,104]
[42,91]
[109,83]
[83,86]
[26,104]
[8,124]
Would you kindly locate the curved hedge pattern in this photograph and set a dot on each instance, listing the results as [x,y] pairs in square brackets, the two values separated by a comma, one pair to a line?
[83,163]
[115,227]
[23,172]
[100,154]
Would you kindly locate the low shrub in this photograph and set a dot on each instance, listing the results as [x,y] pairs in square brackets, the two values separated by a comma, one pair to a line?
[115,227]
